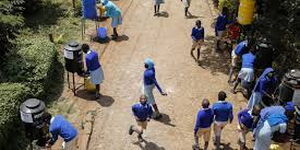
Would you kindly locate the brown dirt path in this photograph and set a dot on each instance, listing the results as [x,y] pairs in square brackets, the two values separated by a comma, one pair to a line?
[103,124]
[167,41]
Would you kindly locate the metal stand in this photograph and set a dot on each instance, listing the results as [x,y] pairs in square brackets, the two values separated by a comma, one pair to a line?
[73,88]
[83,26]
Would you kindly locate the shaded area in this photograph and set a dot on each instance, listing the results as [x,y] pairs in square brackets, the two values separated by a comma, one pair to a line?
[163,14]
[148,146]
[103,18]
[165,119]
[104,100]
[215,63]
[226,146]
[108,39]
[56,87]
[191,16]
[101,41]
[48,15]
[122,38]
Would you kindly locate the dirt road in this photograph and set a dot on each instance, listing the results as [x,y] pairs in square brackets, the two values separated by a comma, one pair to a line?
[165,39]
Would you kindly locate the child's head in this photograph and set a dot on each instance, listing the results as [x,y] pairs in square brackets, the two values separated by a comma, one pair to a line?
[198,23]
[222,96]
[205,103]
[225,11]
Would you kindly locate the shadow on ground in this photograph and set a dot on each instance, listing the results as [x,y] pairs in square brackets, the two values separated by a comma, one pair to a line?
[122,38]
[191,16]
[165,119]
[226,146]
[148,146]
[163,14]
[108,39]
[104,100]
[215,63]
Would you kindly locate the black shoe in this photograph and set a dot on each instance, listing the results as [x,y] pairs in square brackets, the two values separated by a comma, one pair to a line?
[130,131]
[195,147]
[114,36]
[97,96]
[233,91]
[140,138]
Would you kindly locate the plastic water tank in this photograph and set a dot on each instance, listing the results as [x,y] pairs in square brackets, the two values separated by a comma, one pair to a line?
[31,112]
[289,89]
[246,12]
[73,57]
[89,9]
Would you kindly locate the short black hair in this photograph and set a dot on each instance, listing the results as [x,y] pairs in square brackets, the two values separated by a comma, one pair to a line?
[205,103]
[85,47]
[46,117]
[198,22]
[222,95]
[225,11]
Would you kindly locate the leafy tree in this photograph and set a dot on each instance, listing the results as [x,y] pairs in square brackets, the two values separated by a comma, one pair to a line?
[278,22]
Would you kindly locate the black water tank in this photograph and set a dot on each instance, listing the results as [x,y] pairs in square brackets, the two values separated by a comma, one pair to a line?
[73,57]
[289,89]
[31,112]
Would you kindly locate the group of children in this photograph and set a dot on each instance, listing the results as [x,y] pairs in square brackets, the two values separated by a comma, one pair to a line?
[264,121]
[272,119]
[221,24]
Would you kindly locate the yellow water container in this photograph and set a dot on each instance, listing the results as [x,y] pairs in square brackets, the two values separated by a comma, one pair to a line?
[246,12]
[88,85]
[275,147]
[101,9]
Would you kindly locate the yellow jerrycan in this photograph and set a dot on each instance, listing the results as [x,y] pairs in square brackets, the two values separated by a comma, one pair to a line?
[246,12]
[275,147]
[88,85]
[101,10]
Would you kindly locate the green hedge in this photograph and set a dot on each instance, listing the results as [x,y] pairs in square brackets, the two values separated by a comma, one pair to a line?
[32,70]
[33,64]
[11,96]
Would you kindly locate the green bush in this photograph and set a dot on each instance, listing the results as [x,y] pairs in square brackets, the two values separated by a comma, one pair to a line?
[33,64]
[31,6]
[32,70]
[11,96]
[10,21]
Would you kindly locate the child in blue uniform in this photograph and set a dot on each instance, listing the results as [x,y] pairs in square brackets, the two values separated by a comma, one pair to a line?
[142,113]
[59,126]
[198,39]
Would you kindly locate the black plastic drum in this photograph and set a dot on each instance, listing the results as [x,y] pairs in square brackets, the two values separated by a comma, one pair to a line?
[31,112]
[289,89]
[285,93]
[73,57]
